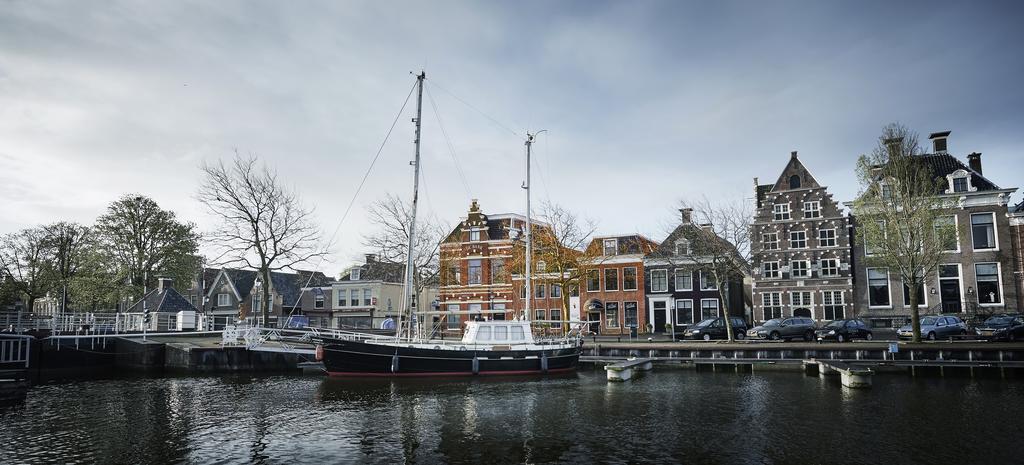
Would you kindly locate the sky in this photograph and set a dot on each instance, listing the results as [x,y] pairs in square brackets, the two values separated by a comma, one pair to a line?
[645,103]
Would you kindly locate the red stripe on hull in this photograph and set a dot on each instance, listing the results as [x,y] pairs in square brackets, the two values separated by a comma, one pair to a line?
[448,373]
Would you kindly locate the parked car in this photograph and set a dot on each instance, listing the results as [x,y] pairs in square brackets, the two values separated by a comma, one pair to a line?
[935,327]
[714,328]
[785,329]
[845,330]
[1002,328]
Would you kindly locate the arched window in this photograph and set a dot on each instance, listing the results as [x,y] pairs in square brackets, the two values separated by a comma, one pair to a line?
[794,181]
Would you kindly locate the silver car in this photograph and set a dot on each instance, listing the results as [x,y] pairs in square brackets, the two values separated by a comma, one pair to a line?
[935,327]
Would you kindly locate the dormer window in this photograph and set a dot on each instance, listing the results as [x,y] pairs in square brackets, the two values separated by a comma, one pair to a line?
[959,182]
[682,247]
[354,276]
[611,247]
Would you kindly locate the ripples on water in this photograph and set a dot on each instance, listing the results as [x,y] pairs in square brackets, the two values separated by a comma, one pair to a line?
[669,416]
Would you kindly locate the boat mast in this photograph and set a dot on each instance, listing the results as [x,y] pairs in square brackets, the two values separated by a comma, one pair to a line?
[529,226]
[408,289]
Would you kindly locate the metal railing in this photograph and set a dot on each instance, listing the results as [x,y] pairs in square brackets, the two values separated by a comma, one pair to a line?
[15,350]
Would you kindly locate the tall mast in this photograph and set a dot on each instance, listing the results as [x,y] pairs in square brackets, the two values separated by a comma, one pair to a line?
[407,287]
[529,226]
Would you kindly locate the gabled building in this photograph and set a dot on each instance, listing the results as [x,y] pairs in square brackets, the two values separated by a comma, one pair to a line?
[164,299]
[977,277]
[231,294]
[678,293]
[800,247]
[1016,219]
[614,289]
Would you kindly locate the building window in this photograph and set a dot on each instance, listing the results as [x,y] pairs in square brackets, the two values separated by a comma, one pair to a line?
[542,266]
[611,279]
[960,184]
[318,300]
[770,241]
[342,297]
[611,246]
[799,269]
[354,275]
[707,282]
[826,238]
[682,247]
[192,300]
[709,308]
[983,230]
[474,235]
[800,299]
[798,240]
[878,287]
[499,309]
[629,278]
[540,315]
[367,297]
[781,211]
[684,280]
[812,209]
[943,226]
[611,314]
[659,280]
[593,280]
[539,291]
[684,311]
[920,295]
[498,270]
[772,303]
[830,267]
[223,300]
[556,291]
[354,298]
[630,314]
[522,292]
[886,192]
[475,276]
[453,319]
[556,318]
[794,181]
[770,270]
[454,275]
[834,305]
[988,283]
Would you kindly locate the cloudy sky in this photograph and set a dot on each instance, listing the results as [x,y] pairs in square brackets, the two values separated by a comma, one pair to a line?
[645,103]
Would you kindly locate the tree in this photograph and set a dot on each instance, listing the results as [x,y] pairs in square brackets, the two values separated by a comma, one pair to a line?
[263,225]
[144,242]
[902,222]
[560,240]
[718,240]
[24,260]
[66,246]
[392,216]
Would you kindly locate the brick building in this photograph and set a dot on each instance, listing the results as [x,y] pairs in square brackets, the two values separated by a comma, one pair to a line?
[800,246]
[613,291]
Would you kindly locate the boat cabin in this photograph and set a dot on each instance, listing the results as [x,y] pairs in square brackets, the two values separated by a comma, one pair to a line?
[510,332]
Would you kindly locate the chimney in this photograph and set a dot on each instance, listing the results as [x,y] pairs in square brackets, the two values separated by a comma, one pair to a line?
[164,284]
[371,257]
[939,141]
[687,215]
[974,161]
[792,154]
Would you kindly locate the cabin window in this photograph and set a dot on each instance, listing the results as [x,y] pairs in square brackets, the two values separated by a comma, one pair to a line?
[501,333]
[483,333]
[794,181]
[518,334]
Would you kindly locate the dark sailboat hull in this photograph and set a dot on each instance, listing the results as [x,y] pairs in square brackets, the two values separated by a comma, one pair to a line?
[352,358]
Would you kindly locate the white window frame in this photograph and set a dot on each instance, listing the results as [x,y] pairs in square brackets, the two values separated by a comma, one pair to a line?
[995,231]
[781,212]
[999,281]
[223,299]
[636,278]
[816,209]
[618,285]
[685,246]
[774,301]
[765,241]
[821,268]
[655,280]
[960,173]
[354,274]
[792,269]
[598,271]
[793,305]
[709,286]
[793,241]
[841,304]
[675,313]
[778,270]
[906,298]
[888,285]
[956,228]
[675,279]
[834,238]
[318,300]
[718,306]
[614,243]
[474,235]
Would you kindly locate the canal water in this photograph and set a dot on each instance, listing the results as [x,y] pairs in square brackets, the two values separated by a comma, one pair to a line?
[668,416]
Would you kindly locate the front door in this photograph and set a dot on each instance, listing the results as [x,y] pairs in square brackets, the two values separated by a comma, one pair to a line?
[660,310]
[595,322]
[949,288]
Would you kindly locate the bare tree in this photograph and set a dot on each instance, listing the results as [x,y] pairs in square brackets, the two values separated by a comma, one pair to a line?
[902,221]
[392,216]
[263,225]
[718,245]
[24,261]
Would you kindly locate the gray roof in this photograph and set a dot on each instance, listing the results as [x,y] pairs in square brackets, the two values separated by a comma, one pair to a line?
[289,285]
[167,301]
[378,270]
[944,164]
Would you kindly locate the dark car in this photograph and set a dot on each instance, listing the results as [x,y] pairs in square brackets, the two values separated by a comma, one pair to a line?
[845,330]
[1002,328]
[936,327]
[785,329]
[714,328]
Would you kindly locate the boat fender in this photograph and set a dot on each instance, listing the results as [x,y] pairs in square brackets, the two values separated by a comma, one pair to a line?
[476,365]
[319,353]
[544,362]
[394,363]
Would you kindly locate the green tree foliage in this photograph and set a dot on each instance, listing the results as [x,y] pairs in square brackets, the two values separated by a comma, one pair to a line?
[902,220]
[24,264]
